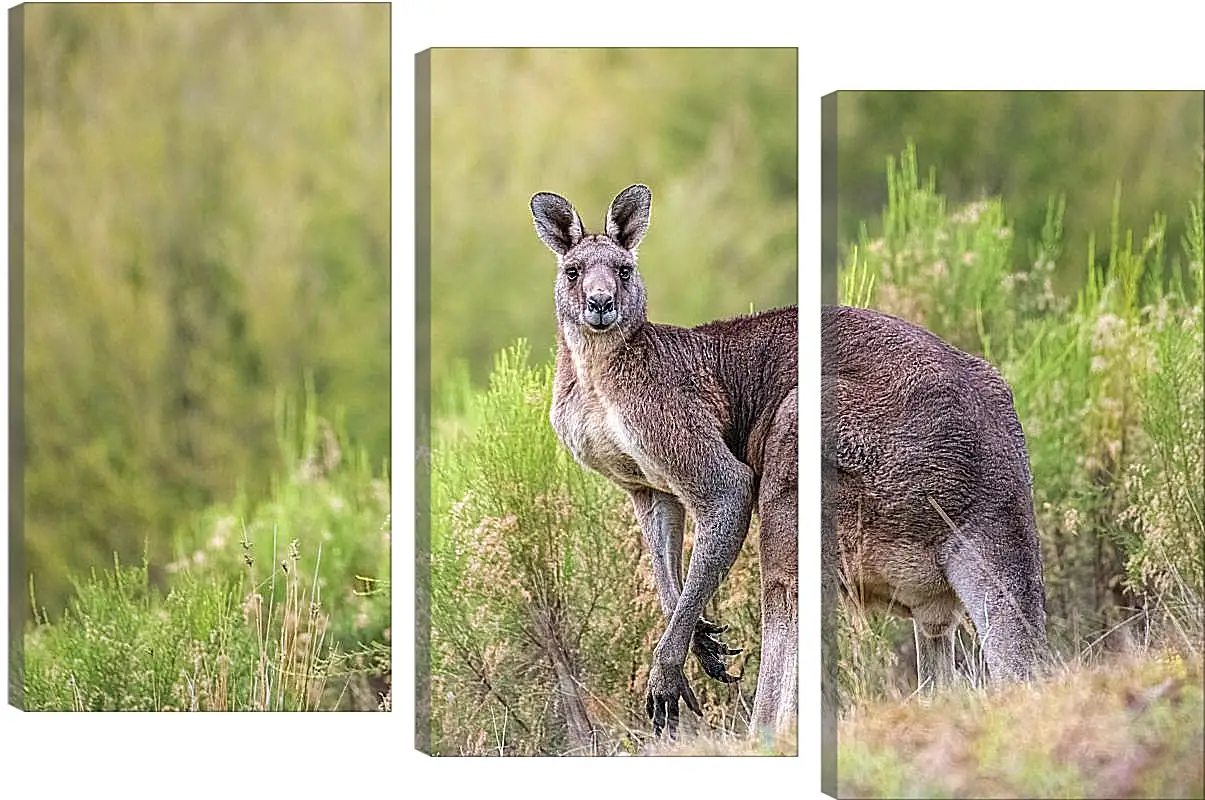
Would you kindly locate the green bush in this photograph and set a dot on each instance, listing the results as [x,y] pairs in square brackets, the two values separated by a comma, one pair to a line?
[1022,146]
[544,613]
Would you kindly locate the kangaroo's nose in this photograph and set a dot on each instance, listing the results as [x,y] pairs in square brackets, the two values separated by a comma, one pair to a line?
[600,304]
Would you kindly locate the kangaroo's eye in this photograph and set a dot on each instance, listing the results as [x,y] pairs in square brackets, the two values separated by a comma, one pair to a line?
[571,273]
[625,273]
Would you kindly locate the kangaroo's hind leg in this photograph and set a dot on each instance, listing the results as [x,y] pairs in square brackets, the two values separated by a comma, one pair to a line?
[776,703]
[995,567]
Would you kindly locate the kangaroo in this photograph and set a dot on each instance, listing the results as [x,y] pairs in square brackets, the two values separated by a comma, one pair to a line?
[927,504]
[700,420]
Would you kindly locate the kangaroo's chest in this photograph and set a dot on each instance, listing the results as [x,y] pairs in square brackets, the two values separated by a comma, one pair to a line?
[602,437]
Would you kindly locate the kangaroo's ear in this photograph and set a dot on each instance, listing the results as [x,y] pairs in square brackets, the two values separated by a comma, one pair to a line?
[628,216]
[557,223]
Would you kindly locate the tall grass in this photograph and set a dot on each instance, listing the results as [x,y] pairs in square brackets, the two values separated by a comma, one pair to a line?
[204,646]
[281,605]
[205,207]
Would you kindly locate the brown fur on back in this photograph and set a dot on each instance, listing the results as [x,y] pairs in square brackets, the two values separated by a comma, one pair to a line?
[927,494]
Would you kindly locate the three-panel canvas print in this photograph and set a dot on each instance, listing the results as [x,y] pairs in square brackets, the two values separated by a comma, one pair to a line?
[991,585]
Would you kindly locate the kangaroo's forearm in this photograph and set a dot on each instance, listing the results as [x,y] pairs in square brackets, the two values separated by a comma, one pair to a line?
[719,536]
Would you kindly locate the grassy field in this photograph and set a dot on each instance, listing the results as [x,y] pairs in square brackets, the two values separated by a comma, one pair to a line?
[206,205]
[1125,727]
[283,605]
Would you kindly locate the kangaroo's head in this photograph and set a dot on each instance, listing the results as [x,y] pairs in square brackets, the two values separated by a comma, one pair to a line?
[598,290]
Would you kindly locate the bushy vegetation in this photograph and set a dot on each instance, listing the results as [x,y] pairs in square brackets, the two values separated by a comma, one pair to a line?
[543,606]
[1023,146]
[279,605]
[206,206]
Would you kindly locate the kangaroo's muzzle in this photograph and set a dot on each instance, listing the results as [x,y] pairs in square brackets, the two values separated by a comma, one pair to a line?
[600,311]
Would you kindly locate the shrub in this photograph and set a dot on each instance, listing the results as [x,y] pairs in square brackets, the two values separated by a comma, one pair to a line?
[543,614]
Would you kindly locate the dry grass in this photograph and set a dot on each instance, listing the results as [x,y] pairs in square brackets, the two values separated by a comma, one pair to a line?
[1131,727]
[786,744]
[291,673]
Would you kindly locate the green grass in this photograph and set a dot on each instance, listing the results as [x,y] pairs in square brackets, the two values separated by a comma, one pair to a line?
[245,152]
[280,606]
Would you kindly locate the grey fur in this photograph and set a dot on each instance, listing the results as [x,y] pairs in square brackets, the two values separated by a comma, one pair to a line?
[701,420]
[927,505]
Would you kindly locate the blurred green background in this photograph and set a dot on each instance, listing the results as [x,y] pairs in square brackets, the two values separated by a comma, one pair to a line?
[711,131]
[1026,147]
[206,224]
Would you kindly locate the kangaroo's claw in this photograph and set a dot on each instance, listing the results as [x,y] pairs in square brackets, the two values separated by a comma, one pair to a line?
[667,684]
[711,651]
[707,626]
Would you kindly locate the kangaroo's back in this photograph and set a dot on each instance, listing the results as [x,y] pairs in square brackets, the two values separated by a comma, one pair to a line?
[927,493]
[913,417]
[757,361]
